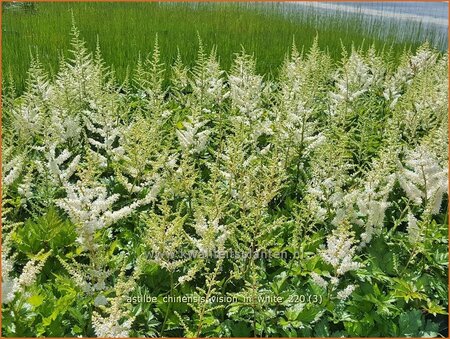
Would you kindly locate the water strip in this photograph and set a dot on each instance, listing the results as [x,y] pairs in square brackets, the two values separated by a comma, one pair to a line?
[375,12]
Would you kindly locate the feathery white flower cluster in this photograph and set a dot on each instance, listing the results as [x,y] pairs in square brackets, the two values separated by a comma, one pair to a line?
[65,126]
[12,286]
[54,163]
[423,179]
[212,235]
[318,280]
[29,117]
[246,88]
[25,188]
[340,250]
[371,200]
[295,118]
[141,162]
[191,139]
[114,325]
[104,135]
[118,322]
[32,269]
[346,292]
[12,170]
[89,278]
[208,85]
[355,79]
[165,237]
[396,83]
[332,285]
[373,210]
[90,209]
[414,235]
[423,58]
[329,196]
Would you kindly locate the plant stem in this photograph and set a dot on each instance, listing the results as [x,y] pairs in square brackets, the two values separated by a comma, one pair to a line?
[168,306]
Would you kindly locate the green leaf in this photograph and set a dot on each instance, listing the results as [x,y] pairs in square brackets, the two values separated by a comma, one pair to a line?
[293,312]
[308,314]
[240,329]
[321,329]
[48,232]
[410,323]
[76,330]
[431,330]
[433,308]
[35,300]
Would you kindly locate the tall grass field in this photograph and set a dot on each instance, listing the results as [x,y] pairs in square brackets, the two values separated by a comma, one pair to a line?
[126,31]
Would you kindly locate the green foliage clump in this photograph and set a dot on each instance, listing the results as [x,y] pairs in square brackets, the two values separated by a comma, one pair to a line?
[228,204]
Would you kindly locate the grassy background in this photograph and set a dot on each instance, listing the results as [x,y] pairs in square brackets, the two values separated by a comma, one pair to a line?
[127,29]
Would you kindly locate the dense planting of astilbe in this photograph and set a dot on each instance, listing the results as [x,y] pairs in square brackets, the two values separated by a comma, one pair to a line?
[118,190]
